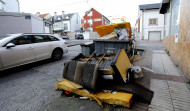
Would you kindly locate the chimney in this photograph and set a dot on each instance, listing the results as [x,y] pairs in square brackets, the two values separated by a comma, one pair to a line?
[37,14]
[63,14]
[55,16]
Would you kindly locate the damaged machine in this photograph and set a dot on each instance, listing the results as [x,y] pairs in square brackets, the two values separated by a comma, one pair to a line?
[107,77]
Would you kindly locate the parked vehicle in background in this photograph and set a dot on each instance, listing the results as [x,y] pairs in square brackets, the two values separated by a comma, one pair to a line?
[79,36]
[20,49]
[65,36]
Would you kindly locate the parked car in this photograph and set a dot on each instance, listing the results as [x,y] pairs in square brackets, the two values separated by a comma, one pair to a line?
[65,36]
[20,49]
[79,36]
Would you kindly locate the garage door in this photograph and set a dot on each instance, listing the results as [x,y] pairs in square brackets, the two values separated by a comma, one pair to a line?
[154,36]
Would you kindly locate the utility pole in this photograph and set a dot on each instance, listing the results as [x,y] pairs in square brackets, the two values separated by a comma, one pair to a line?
[90,8]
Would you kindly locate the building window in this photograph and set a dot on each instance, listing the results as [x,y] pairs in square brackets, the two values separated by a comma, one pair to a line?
[90,13]
[84,21]
[153,21]
[58,26]
[175,16]
[65,26]
[99,19]
[28,17]
[90,22]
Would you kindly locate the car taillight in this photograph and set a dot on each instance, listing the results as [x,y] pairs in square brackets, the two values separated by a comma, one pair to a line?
[65,43]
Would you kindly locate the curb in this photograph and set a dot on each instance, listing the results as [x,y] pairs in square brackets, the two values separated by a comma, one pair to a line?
[73,45]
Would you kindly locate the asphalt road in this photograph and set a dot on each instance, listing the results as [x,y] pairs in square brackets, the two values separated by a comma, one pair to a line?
[29,87]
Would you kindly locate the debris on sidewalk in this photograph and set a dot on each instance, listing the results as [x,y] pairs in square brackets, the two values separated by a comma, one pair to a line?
[120,33]
[118,28]
[119,98]
[109,73]
[112,35]
[104,78]
[137,72]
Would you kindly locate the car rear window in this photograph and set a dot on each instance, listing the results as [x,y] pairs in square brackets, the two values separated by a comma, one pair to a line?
[42,38]
[53,38]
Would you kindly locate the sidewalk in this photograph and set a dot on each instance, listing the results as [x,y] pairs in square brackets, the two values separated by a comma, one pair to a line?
[171,92]
[160,75]
[170,89]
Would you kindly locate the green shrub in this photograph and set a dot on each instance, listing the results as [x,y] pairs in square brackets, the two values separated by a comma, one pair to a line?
[167,52]
[188,82]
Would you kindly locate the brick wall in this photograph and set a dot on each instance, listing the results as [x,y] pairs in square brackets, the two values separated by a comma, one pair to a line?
[95,15]
[180,51]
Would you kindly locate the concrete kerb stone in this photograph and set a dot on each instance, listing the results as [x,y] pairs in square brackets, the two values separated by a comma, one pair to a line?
[73,45]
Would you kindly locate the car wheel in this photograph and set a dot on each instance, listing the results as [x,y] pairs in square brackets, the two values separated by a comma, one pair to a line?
[57,54]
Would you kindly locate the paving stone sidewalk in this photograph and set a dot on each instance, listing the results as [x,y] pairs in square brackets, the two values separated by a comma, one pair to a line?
[169,94]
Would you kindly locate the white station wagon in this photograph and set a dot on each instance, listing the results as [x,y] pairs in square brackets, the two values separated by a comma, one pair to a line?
[20,49]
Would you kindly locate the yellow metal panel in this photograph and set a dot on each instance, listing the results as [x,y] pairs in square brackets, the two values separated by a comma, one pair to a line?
[106,29]
[123,64]
[119,98]
[66,85]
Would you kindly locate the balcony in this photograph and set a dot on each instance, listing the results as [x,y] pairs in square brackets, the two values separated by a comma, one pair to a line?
[58,26]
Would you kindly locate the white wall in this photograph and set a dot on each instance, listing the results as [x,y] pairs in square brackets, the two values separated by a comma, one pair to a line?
[12,6]
[20,23]
[14,24]
[86,34]
[140,17]
[75,22]
[37,25]
[2,5]
[94,35]
[148,14]
[141,28]
[46,29]
[68,24]
[71,35]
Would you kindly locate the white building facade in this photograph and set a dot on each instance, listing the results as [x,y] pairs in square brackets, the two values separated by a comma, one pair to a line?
[12,22]
[150,23]
[66,23]
[47,21]
[9,6]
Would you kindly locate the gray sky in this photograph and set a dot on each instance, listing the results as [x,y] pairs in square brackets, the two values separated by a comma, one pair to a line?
[117,8]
